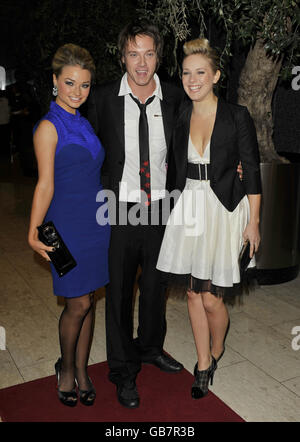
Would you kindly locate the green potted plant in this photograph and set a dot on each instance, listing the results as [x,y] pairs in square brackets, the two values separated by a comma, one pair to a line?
[268,33]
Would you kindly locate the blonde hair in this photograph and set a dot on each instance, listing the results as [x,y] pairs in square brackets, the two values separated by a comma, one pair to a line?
[202,46]
[72,55]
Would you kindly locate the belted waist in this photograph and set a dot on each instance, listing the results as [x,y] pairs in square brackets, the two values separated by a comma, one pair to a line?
[198,171]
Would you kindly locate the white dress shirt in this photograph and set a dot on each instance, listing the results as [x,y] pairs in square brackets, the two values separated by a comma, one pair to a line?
[130,183]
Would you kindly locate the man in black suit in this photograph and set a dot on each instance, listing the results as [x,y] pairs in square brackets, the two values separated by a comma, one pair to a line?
[115,111]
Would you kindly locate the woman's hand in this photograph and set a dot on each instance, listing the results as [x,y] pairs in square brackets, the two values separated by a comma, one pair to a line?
[38,246]
[251,234]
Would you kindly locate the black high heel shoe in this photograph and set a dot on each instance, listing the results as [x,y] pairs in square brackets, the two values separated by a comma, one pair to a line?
[87,397]
[202,378]
[68,398]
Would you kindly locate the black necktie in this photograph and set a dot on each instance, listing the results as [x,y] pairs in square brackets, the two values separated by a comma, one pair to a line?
[144,149]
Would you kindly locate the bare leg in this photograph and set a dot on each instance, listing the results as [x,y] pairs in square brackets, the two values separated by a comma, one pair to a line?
[200,328]
[218,319]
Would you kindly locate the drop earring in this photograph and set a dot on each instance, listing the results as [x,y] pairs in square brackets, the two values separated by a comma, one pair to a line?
[54,91]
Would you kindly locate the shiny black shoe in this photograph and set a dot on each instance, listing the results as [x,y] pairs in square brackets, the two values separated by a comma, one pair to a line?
[128,395]
[202,378]
[166,363]
[87,397]
[68,398]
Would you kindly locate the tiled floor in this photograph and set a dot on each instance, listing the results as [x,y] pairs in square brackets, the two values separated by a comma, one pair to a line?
[259,375]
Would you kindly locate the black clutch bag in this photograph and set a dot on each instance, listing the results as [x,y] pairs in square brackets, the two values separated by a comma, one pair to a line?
[244,258]
[61,257]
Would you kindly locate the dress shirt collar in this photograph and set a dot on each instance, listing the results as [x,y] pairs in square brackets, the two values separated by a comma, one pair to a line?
[125,89]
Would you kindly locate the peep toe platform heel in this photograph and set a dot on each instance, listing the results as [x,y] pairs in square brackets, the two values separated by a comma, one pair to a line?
[87,397]
[68,398]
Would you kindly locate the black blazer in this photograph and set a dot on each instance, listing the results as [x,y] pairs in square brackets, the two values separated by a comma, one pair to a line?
[106,115]
[233,139]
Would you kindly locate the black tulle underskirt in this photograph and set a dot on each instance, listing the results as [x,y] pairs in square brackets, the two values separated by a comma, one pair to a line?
[178,285]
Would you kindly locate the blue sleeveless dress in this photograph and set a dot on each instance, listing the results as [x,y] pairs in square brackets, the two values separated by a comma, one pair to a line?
[73,209]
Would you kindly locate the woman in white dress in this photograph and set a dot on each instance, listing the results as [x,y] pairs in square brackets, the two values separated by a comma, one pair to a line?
[216,212]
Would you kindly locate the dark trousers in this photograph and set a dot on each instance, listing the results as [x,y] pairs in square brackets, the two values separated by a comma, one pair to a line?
[131,247]
[5,140]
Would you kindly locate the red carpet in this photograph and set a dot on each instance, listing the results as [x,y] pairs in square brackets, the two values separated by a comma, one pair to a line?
[164,398]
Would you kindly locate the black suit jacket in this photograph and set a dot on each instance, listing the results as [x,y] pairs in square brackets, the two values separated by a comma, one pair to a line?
[106,114]
[233,139]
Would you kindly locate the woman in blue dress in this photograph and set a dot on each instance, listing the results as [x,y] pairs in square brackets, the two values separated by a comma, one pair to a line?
[69,157]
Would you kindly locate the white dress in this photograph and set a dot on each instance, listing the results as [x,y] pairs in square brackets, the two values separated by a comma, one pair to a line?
[203,240]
